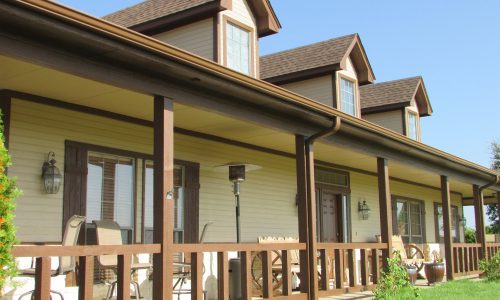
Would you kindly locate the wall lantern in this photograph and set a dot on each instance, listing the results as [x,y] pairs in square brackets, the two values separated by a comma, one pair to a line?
[363,210]
[462,220]
[51,176]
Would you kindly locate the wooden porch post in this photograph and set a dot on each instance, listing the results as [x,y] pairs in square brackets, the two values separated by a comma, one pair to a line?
[384,198]
[300,159]
[163,199]
[498,206]
[448,239]
[311,223]
[479,215]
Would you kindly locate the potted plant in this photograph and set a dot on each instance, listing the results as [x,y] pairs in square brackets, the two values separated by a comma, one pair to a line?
[434,271]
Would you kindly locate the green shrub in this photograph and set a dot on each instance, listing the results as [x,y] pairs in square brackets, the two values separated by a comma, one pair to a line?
[491,268]
[470,235]
[8,194]
[394,280]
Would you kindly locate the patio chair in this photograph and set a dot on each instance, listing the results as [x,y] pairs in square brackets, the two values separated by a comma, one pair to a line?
[109,233]
[66,263]
[411,254]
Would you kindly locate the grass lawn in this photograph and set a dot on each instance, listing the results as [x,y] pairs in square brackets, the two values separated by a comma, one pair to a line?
[458,289]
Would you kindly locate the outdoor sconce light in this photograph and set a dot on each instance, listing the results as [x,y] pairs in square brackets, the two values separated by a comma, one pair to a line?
[363,210]
[462,220]
[50,173]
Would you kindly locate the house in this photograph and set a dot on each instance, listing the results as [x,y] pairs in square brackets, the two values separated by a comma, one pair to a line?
[144,121]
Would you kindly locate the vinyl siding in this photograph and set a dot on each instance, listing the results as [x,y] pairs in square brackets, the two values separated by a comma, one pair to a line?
[364,187]
[319,89]
[197,38]
[268,204]
[240,12]
[267,199]
[391,120]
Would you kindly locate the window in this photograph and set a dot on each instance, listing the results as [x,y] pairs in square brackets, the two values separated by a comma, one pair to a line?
[238,48]
[179,191]
[438,221]
[347,97]
[408,220]
[412,126]
[110,191]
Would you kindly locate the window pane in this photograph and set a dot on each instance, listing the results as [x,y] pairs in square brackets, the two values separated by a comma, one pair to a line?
[238,48]
[124,195]
[348,101]
[94,192]
[440,221]
[402,217]
[412,125]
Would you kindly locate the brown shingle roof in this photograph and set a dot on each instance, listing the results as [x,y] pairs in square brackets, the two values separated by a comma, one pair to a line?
[307,57]
[389,92]
[394,94]
[151,10]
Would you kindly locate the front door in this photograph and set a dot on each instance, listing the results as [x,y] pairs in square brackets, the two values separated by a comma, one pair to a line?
[330,215]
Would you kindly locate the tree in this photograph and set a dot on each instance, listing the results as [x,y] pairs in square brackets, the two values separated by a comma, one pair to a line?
[8,194]
[470,235]
[492,209]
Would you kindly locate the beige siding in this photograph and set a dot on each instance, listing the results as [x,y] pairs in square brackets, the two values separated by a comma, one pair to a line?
[319,89]
[364,187]
[197,38]
[267,199]
[242,13]
[391,120]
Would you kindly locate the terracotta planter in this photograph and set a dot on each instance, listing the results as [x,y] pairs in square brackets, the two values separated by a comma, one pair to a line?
[412,274]
[434,272]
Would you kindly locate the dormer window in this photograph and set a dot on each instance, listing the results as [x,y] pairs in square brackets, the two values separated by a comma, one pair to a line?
[412,125]
[238,48]
[348,103]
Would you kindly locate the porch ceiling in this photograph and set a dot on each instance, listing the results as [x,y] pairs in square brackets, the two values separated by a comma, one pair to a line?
[41,81]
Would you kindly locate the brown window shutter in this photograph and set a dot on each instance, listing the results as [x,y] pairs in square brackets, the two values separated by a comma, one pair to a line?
[75,184]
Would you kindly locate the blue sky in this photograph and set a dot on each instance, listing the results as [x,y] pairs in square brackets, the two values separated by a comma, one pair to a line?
[454,45]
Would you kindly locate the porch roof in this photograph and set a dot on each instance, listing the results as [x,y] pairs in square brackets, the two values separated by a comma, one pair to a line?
[157,67]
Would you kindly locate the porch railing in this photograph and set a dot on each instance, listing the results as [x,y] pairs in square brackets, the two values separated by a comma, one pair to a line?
[466,259]
[269,269]
[86,256]
[492,249]
[338,271]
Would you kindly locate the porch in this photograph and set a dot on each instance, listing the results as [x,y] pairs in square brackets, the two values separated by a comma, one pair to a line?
[149,116]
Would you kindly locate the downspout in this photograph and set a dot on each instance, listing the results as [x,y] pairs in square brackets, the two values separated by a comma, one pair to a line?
[483,235]
[311,238]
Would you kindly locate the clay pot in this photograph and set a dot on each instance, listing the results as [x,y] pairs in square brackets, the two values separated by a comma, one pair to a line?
[434,272]
[412,274]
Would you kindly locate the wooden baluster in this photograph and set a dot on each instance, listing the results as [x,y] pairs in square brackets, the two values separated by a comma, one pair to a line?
[351,261]
[339,268]
[123,276]
[286,272]
[476,259]
[471,259]
[375,266]
[324,266]
[196,276]
[42,278]
[223,273]
[86,278]
[466,259]
[267,276]
[364,268]
[455,259]
[246,275]
[461,259]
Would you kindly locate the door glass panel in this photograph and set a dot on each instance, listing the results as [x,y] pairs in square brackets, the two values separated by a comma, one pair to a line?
[402,218]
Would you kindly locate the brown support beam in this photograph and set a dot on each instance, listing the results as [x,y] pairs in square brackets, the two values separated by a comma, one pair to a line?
[163,202]
[479,215]
[300,148]
[448,239]
[311,223]
[384,198]
[86,278]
